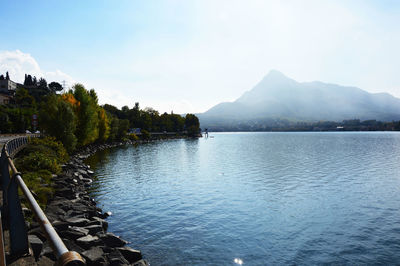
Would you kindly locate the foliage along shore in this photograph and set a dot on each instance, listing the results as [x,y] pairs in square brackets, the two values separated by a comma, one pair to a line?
[76,119]
[284,125]
[76,126]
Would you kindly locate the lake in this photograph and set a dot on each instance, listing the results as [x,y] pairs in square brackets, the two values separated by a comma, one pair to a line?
[256,198]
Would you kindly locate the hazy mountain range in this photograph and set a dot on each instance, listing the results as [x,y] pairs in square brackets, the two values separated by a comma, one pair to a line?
[277,98]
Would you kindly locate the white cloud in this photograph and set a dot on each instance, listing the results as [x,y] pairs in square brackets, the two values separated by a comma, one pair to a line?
[18,64]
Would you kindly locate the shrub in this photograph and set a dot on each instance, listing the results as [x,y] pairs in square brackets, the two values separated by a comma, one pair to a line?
[39,182]
[133,137]
[145,134]
[53,147]
[38,161]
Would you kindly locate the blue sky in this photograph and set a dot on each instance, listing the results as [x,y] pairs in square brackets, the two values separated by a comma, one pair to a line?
[187,56]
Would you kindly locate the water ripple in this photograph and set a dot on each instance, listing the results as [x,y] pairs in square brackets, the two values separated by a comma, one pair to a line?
[261,198]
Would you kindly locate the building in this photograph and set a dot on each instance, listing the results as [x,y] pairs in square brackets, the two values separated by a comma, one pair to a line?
[8,86]
[5,98]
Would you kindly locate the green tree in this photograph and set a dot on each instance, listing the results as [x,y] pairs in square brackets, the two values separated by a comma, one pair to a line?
[55,86]
[122,129]
[192,125]
[24,99]
[87,129]
[42,83]
[114,125]
[58,119]
[104,125]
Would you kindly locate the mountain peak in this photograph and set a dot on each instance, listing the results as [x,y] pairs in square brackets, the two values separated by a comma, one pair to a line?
[278,96]
[275,74]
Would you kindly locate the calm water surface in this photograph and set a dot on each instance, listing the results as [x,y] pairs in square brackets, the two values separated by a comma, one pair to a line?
[263,198]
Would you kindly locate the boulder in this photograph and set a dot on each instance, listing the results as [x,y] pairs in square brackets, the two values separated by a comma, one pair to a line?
[77,221]
[72,234]
[37,231]
[116,258]
[36,245]
[112,240]
[60,226]
[130,254]
[94,229]
[26,211]
[94,256]
[141,263]
[88,241]
[47,251]
[72,246]
[102,222]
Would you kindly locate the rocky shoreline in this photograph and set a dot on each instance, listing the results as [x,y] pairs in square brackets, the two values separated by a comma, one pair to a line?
[79,223]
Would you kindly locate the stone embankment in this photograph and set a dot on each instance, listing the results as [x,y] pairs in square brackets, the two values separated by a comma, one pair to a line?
[81,225]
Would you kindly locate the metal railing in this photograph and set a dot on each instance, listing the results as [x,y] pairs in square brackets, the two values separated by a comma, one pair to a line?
[12,210]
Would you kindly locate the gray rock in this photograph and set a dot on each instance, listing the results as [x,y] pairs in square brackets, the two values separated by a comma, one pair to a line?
[87,180]
[72,234]
[88,241]
[47,251]
[26,211]
[116,258]
[71,245]
[103,222]
[37,231]
[130,254]
[77,221]
[82,172]
[60,226]
[112,240]
[36,245]
[141,263]
[94,256]
[79,229]
[94,229]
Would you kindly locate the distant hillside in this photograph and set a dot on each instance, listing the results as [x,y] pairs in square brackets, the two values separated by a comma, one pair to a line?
[278,99]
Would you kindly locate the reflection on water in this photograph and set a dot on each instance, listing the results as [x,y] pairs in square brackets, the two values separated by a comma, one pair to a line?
[256,198]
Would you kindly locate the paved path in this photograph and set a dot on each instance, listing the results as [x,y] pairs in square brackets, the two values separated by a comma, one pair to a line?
[6,137]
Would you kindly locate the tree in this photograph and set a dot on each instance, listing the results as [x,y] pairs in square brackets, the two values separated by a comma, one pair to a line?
[58,119]
[28,80]
[23,99]
[55,86]
[114,124]
[87,129]
[192,125]
[7,76]
[42,83]
[104,125]
[112,110]
[123,129]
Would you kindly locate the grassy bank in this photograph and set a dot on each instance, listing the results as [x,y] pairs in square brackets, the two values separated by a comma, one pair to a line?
[38,162]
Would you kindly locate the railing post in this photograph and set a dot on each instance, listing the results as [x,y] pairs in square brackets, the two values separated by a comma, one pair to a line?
[12,210]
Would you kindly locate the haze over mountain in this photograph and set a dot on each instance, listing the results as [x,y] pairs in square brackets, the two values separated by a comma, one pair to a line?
[278,97]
